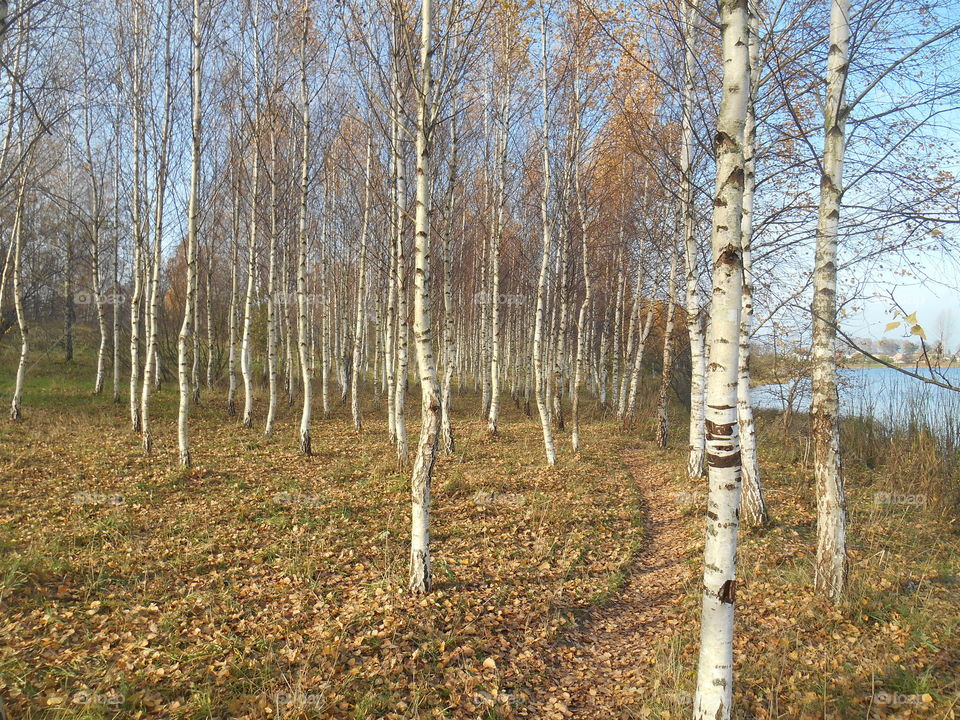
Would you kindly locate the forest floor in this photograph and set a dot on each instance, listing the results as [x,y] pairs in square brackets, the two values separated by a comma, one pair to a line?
[265,584]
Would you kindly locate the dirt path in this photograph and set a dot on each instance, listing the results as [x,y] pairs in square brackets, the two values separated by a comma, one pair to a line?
[605,668]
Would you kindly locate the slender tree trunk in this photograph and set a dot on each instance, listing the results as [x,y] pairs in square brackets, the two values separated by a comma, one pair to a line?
[116,284]
[325,315]
[208,304]
[643,332]
[666,375]
[633,329]
[420,575]
[501,160]
[151,321]
[561,329]
[187,327]
[289,363]
[618,327]
[390,342]
[400,387]
[754,510]
[832,566]
[587,298]
[246,368]
[195,334]
[361,291]
[98,300]
[96,218]
[232,330]
[17,240]
[542,406]
[449,338]
[302,244]
[137,131]
[272,291]
[695,330]
[69,310]
[714,694]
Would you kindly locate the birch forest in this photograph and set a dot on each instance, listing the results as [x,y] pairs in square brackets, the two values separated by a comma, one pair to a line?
[479,359]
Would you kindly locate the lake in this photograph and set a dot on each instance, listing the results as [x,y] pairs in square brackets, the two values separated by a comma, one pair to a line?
[881,393]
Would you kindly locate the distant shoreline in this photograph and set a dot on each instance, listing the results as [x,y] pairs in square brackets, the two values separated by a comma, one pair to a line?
[870,364]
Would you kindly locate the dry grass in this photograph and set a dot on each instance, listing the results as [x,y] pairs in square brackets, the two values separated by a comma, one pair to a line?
[265,584]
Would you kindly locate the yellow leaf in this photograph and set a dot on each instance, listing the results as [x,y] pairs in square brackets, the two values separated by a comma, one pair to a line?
[911,319]
[490,663]
[892,326]
[917,330]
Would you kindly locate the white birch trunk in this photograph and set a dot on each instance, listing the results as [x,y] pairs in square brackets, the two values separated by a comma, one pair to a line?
[16,412]
[151,367]
[697,441]
[303,247]
[246,369]
[633,329]
[400,382]
[449,344]
[98,300]
[542,405]
[501,160]
[832,566]
[116,279]
[420,573]
[642,335]
[714,690]
[754,507]
[232,331]
[585,307]
[136,296]
[187,327]
[618,328]
[361,291]
[272,292]
[246,362]
[325,315]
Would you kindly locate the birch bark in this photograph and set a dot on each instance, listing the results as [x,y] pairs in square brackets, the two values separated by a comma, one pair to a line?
[542,405]
[501,163]
[246,368]
[16,412]
[420,573]
[695,457]
[187,327]
[303,247]
[361,291]
[830,578]
[754,505]
[714,690]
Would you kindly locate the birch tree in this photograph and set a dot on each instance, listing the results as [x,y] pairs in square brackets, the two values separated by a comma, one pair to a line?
[420,572]
[152,273]
[502,138]
[306,375]
[714,689]
[400,202]
[695,332]
[360,325]
[542,406]
[245,344]
[667,364]
[754,505]
[830,578]
[187,327]
[17,239]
